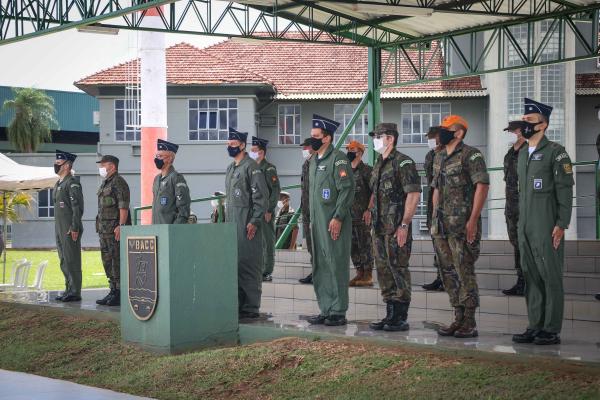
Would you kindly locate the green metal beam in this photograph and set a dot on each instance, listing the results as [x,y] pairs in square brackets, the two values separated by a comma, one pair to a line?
[374,77]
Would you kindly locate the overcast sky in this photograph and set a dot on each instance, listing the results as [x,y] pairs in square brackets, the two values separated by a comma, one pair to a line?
[57,60]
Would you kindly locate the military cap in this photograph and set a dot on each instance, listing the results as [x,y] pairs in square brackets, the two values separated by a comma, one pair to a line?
[108,158]
[218,193]
[385,128]
[355,145]
[286,194]
[450,120]
[328,125]
[236,135]
[262,143]
[433,131]
[534,107]
[168,146]
[514,125]
[305,143]
[63,155]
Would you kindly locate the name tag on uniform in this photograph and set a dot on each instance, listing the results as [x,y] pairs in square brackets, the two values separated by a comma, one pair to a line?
[326,194]
[537,184]
[61,204]
[237,192]
[537,157]
[321,167]
[163,201]
[387,185]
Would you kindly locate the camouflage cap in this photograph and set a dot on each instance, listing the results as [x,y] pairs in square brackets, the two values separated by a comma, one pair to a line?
[110,159]
[433,132]
[514,125]
[306,142]
[385,128]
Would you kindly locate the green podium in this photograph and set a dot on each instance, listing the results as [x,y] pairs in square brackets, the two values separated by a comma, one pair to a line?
[179,286]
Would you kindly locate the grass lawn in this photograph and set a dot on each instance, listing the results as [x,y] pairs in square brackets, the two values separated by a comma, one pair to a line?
[92,269]
[89,352]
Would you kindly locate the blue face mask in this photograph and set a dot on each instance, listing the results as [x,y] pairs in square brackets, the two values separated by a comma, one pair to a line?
[233,151]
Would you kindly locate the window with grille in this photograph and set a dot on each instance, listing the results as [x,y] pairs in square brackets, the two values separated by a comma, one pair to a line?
[342,113]
[289,124]
[417,118]
[127,120]
[210,119]
[45,204]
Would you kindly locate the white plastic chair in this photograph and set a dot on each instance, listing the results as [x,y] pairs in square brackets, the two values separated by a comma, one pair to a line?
[21,278]
[13,273]
[39,276]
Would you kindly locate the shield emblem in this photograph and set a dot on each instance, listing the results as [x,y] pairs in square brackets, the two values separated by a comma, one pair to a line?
[143,276]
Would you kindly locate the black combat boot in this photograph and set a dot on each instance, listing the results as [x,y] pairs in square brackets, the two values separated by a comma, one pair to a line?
[459,315]
[60,296]
[307,280]
[518,289]
[526,337]
[248,315]
[398,322]
[336,320]
[103,300]
[115,299]
[436,285]
[267,277]
[468,328]
[317,319]
[546,338]
[71,297]
[378,325]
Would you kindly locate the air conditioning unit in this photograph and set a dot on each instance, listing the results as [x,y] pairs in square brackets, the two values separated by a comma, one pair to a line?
[96,118]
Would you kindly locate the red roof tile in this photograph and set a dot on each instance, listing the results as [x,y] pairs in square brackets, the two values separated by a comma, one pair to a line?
[587,83]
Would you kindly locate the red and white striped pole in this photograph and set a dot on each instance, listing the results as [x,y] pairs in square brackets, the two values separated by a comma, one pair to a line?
[153,80]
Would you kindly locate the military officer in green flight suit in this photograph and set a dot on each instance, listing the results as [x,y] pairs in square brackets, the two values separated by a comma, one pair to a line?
[545,200]
[331,195]
[68,209]
[171,195]
[247,201]
[258,152]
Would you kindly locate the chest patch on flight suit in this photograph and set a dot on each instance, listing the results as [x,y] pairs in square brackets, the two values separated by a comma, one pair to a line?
[61,204]
[326,194]
[537,157]
[237,192]
[537,184]
[321,167]
[163,201]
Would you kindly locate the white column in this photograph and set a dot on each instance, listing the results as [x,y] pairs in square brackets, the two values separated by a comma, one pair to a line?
[570,137]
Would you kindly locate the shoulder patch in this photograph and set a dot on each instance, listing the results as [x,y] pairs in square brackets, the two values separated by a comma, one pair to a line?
[406,162]
[562,156]
[341,162]
[568,168]
[271,168]
[182,184]
[75,185]
[476,156]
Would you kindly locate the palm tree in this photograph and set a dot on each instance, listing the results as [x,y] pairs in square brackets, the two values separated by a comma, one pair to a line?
[33,119]
[14,201]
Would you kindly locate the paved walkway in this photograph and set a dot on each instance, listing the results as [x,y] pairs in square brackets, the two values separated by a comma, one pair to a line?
[20,386]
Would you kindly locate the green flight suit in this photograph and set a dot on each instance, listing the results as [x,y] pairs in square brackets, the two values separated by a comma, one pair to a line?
[270,174]
[68,210]
[170,199]
[331,195]
[247,199]
[113,195]
[545,200]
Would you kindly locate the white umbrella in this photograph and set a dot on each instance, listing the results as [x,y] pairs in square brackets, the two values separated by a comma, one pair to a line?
[15,177]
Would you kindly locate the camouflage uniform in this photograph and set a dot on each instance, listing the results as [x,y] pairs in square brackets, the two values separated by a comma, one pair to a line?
[456,176]
[113,195]
[511,208]
[362,243]
[428,167]
[270,174]
[392,179]
[283,217]
[305,205]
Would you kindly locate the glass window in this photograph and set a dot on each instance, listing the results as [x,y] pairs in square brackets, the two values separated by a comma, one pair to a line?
[289,124]
[127,121]
[210,119]
[343,114]
[45,204]
[418,118]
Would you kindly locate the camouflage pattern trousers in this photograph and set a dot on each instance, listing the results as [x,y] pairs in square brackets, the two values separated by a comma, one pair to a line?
[361,251]
[512,222]
[392,267]
[457,261]
[307,236]
[111,259]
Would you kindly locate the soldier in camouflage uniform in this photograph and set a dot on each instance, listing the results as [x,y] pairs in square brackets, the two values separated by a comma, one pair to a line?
[511,207]
[461,183]
[171,195]
[218,206]
[307,154]
[396,188]
[68,210]
[362,243]
[113,212]
[258,152]
[284,215]
[433,141]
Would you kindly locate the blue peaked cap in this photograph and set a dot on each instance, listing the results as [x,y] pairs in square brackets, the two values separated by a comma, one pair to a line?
[236,135]
[168,146]
[534,107]
[63,155]
[326,124]
[262,143]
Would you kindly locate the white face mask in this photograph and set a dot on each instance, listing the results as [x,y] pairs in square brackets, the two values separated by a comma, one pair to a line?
[378,145]
[280,204]
[431,143]
[214,203]
[102,171]
[512,138]
[306,154]
[253,155]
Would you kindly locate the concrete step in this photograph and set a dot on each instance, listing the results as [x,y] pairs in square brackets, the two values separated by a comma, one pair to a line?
[577,307]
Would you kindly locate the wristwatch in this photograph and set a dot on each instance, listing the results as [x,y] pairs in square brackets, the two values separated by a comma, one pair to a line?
[404,226]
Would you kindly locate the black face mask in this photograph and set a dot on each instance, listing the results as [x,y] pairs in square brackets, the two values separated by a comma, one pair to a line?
[159,163]
[446,136]
[57,168]
[528,129]
[351,156]
[233,151]
[316,143]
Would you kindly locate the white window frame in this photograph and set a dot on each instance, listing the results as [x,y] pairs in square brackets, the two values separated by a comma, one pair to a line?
[342,113]
[210,105]
[282,137]
[434,118]
[129,115]
[50,204]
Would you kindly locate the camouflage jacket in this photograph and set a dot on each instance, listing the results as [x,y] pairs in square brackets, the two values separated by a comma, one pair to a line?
[270,173]
[304,185]
[362,191]
[511,178]
[428,167]
[456,176]
[113,195]
[392,179]
[281,220]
